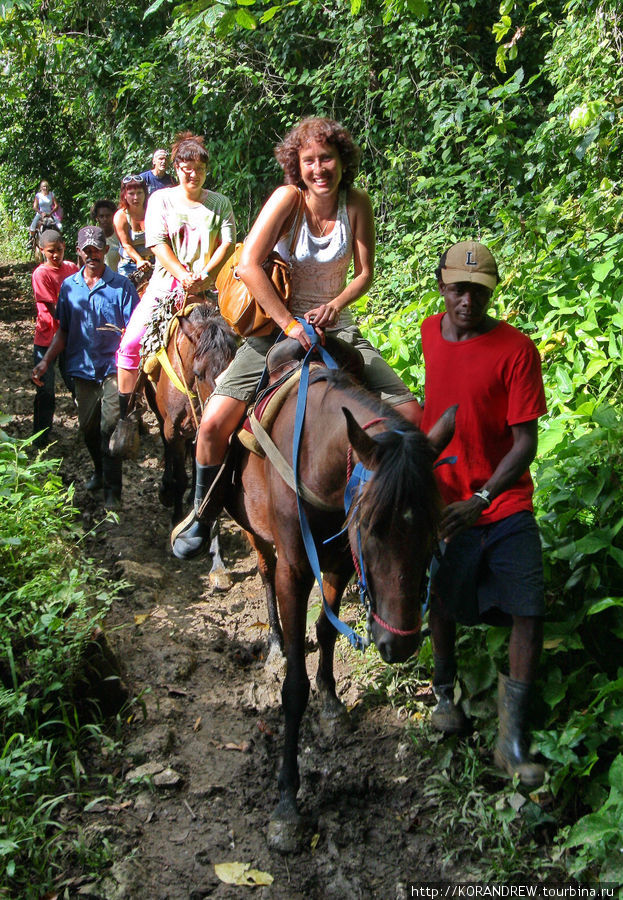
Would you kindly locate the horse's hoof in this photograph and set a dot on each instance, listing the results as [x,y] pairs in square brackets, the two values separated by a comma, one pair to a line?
[333,716]
[275,660]
[285,835]
[220,580]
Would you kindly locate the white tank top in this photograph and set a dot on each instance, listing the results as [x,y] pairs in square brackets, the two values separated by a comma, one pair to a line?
[46,202]
[320,264]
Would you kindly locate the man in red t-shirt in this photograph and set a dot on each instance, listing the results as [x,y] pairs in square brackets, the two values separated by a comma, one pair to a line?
[491,569]
[46,282]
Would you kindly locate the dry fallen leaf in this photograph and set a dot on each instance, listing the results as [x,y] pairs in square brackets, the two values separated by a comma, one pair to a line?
[243,748]
[174,691]
[179,837]
[242,874]
[314,841]
[141,618]
[197,724]
[117,807]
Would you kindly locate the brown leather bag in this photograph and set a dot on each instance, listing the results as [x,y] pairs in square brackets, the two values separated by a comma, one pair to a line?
[238,307]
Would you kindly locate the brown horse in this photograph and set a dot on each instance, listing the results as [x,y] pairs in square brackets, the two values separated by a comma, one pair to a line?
[395,520]
[201,347]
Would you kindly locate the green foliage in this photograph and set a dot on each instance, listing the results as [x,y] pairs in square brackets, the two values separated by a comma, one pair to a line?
[51,599]
[13,242]
[598,835]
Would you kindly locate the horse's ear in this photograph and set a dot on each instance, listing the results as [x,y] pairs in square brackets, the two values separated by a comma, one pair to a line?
[442,431]
[188,328]
[362,443]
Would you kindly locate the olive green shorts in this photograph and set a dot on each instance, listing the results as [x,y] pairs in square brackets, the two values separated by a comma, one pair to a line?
[241,377]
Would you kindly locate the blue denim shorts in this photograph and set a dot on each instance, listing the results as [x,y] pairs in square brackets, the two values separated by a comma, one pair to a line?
[126,266]
[490,573]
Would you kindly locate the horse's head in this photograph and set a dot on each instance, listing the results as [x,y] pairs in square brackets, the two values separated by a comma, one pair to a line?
[211,344]
[394,522]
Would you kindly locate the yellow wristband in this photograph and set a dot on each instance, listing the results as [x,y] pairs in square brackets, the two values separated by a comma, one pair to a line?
[290,327]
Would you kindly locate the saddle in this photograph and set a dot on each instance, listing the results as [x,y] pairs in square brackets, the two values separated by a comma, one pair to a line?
[283,364]
[155,356]
[288,354]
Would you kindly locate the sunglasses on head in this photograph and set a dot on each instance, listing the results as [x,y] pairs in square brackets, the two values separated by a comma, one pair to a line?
[133,179]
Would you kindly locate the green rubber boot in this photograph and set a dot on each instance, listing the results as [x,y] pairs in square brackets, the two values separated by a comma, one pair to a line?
[511,749]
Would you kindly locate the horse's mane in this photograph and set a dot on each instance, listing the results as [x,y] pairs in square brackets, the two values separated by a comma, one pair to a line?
[403,480]
[215,337]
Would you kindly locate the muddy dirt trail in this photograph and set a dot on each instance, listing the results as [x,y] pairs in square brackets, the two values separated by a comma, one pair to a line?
[201,744]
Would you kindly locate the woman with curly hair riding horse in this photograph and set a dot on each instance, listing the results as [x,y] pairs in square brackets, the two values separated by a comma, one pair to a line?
[320,159]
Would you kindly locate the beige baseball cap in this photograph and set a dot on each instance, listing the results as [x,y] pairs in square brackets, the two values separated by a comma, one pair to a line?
[469,261]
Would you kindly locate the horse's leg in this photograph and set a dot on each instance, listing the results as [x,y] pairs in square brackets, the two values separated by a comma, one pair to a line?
[332,709]
[220,579]
[175,448]
[167,483]
[166,492]
[285,827]
[266,563]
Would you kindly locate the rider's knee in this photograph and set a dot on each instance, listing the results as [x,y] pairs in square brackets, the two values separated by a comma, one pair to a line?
[210,427]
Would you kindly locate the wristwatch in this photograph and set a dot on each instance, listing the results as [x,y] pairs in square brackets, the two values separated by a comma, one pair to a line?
[484,494]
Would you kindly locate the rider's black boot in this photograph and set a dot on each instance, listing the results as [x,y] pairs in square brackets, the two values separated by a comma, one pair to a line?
[124,400]
[511,749]
[191,536]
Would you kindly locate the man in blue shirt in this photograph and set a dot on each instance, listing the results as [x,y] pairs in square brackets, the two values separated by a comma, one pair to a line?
[157,177]
[94,307]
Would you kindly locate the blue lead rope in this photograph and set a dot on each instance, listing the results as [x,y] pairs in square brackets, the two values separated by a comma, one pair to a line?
[360,476]
[356,640]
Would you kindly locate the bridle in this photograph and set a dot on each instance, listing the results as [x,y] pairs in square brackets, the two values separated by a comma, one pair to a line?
[359,642]
[356,479]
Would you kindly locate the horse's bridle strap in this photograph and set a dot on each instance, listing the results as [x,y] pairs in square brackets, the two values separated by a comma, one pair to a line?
[174,378]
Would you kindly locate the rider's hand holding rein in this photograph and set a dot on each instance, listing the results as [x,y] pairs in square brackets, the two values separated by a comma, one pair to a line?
[323,316]
[200,283]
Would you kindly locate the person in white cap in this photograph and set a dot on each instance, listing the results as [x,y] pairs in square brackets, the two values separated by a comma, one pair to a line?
[491,568]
